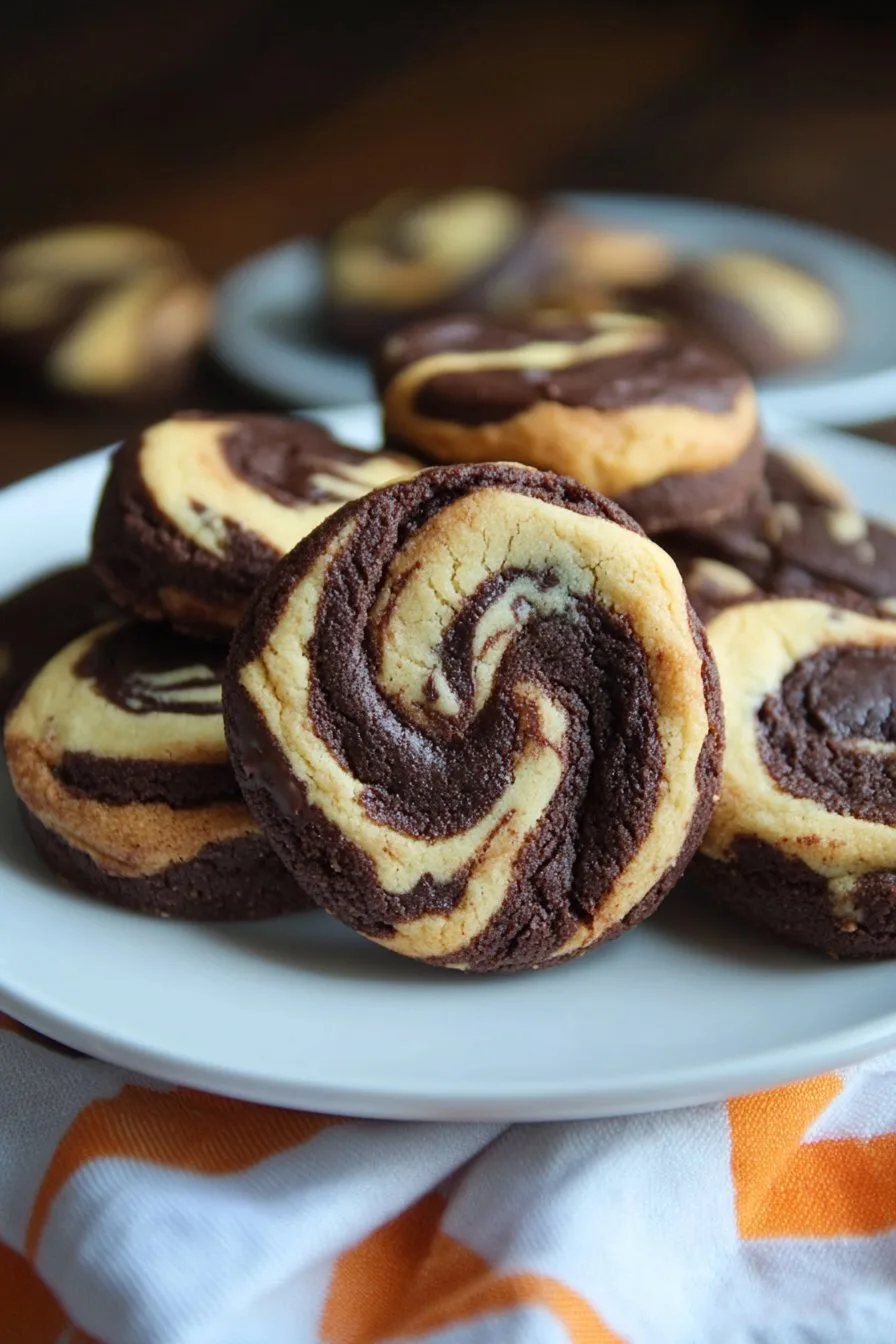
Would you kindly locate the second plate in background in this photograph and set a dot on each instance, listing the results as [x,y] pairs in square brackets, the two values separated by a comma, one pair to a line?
[265,326]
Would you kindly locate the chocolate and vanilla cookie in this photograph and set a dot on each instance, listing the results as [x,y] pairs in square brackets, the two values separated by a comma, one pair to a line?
[800,535]
[199,508]
[101,311]
[475,714]
[662,423]
[116,751]
[770,314]
[803,838]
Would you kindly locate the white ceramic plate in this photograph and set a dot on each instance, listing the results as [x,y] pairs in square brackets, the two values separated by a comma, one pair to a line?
[689,1007]
[264,327]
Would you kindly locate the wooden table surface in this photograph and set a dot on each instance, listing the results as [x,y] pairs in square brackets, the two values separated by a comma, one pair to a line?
[234,124]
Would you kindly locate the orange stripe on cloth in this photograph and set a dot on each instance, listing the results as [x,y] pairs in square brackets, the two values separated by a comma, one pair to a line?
[409,1277]
[766,1130]
[785,1187]
[177,1128]
[29,1313]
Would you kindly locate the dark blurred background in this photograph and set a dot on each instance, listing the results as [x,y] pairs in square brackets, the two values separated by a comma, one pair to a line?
[234,124]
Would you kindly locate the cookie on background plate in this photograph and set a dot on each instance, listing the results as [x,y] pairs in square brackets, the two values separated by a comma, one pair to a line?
[116,751]
[199,508]
[662,423]
[101,311]
[475,714]
[803,838]
[772,315]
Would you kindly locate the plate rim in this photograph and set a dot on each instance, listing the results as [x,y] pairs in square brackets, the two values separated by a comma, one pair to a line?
[698,1085]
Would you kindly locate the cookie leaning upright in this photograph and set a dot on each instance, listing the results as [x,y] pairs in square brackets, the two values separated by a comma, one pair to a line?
[199,508]
[474,714]
[660,422]
[116,750]
[803,840]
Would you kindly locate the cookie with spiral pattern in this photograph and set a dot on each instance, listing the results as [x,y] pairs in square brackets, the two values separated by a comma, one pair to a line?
[659,421]
[475,715]
[199,508]
[803,839]
[116,750]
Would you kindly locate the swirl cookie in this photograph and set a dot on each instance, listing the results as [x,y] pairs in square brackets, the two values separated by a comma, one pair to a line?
[803,839]
[117,753]
[199,508]
[474,709]
[663,424]
[771,315]
[800,534]
[101,311]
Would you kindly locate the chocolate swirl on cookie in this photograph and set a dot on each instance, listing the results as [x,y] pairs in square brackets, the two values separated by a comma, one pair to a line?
[144,672]
[117,753]
[711,586]
[198,509]
[474,713]
[809,778]
[829,733]
[664,424]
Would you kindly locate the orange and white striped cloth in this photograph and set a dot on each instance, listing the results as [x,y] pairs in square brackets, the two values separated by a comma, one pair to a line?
[132,1212]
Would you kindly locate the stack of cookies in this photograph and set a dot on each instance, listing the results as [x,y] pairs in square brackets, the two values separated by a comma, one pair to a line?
[116,745]
[458,692]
